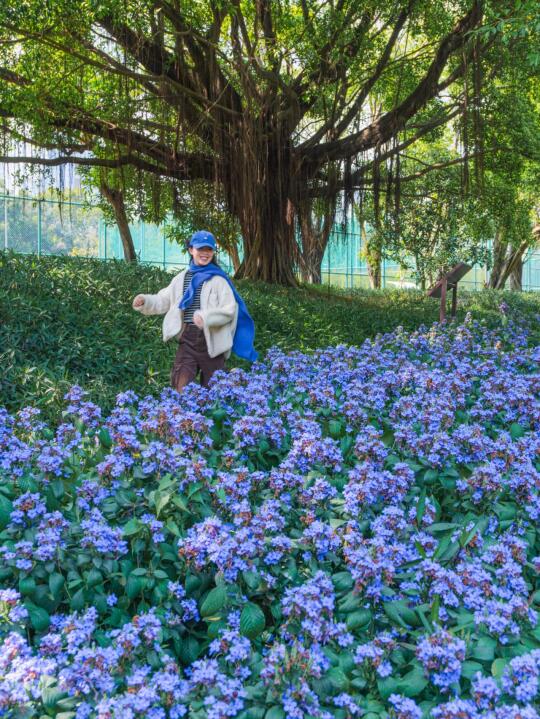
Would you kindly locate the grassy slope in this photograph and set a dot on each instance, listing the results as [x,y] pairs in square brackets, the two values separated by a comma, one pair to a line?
[65,321]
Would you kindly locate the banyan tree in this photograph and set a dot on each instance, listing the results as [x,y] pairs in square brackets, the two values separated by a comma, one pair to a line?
[275,102]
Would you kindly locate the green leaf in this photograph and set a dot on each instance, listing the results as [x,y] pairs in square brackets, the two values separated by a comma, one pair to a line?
[57,488]
[498,666]
[350,602]
[105,438]
[93,578]
[484,649]
[77,601]
[219,414]
[131,527]
[413,683]
[252,620]
[6,507]
[430,475]
[442,527]
[420,507]
[214,601]
[252,579]
[387,686]
[179,502]
[469,669]
[342,581]
[346,662]
[517,430]
[56,585]
[435,608]
[189,650]
[400,613]
[39,617]
[360,618]
[335,428]
[161,500]
[134,586]
[27,586]
[275,712]
[51,696]
[338,678]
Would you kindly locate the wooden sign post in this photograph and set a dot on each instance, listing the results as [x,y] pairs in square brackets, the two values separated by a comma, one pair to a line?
[449,281]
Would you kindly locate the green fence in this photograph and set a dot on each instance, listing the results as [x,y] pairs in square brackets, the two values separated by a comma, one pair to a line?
[49,227]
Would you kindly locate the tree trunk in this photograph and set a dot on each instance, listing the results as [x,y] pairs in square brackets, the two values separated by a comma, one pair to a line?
[515,259]
[270,250]
[116,200]
[235,257]
[507,263]
[516,275]
[499,256]
[374,260]
[314,238]
[257,178]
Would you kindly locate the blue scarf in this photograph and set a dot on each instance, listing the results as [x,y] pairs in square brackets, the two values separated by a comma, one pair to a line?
[245,327]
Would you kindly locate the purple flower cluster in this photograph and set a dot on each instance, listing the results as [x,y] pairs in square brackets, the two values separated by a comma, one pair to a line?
[442,655]
[11,608]
[26,508]
[378,502]
[522,676]
[100,536]
[311,605]
[375,654]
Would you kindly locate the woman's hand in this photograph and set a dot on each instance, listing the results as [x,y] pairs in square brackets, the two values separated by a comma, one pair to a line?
[198,319]
[138,301]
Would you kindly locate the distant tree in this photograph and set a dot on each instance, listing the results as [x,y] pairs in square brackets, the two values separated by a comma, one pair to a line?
[262,99]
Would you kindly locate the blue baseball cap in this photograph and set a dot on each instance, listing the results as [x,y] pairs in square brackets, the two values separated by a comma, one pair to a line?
[202,238]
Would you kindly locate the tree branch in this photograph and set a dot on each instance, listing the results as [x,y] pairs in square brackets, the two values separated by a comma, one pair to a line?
[393,121]
[365,89]
[180,173]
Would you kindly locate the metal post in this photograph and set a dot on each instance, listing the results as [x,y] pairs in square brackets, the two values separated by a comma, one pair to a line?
[141,236]
[5,223]
[347,248]
[105,241]
[5,209]
[442,315]
[39,230]
[454,299]
[329,251]
[164,250]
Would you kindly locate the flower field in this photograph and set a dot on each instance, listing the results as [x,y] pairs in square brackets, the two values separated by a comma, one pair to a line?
[350,533]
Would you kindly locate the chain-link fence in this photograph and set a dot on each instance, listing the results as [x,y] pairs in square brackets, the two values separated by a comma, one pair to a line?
[49,227]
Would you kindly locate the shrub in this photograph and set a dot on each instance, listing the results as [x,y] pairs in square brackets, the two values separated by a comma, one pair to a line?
[67,321]
[346,533]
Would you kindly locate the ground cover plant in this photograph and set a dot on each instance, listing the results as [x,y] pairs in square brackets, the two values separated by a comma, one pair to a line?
[67,321]
[345,533]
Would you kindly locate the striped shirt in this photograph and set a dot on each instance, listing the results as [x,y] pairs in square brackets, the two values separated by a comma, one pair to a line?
[196,304]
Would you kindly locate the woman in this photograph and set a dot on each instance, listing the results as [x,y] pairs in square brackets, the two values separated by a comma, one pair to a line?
[205,312]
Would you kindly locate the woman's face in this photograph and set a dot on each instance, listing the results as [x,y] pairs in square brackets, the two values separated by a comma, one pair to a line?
[201,255]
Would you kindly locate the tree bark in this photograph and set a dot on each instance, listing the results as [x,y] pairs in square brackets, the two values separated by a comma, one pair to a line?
[374,262]
[507,263]
[235,257]
[499,255]
[516,275]
[116,200]
[314,236]
[259,161]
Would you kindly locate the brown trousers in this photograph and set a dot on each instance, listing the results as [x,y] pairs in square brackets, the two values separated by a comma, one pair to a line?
[191,357]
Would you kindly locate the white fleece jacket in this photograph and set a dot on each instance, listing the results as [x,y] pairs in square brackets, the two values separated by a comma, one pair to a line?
[219,311]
